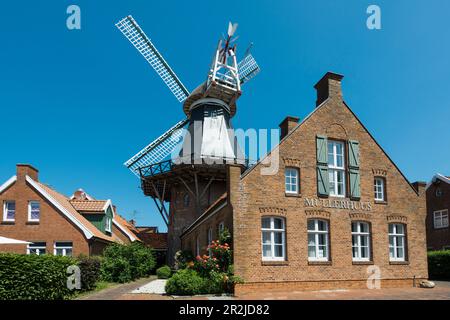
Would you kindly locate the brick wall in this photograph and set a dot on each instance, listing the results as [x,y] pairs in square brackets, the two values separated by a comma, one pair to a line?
[256,196]
[437,238]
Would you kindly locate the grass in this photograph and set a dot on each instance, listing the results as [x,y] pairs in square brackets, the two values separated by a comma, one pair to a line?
[100,285]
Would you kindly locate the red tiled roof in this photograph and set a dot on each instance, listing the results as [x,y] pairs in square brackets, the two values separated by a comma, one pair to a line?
[88,205]
[154,240]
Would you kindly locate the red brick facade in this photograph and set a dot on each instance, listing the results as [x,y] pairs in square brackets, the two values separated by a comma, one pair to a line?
[438,202]
[252,196]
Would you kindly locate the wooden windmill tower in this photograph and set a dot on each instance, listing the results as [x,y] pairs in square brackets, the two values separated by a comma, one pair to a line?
[184,170]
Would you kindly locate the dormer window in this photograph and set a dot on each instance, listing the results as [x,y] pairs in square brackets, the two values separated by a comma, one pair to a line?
[108,222]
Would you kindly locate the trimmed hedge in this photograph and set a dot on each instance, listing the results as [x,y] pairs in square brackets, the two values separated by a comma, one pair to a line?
[90,271]
[164,272]
[186,282]
[125,263]
[439,265]
[32,277]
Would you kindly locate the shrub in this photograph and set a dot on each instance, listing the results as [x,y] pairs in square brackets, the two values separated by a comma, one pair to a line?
[124,263]
[90,271]
[186,282]
[439,265]
[164,272]
[32,277]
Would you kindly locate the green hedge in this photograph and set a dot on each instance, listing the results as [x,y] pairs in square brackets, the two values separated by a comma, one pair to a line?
[90,271]
[439,265]
[124,263]
[32,277]
[164,272]
[186,282]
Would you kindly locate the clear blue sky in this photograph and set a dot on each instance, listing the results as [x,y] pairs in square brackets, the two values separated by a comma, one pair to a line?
[77,104]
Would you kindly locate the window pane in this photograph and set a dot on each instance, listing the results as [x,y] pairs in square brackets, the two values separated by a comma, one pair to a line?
[391,228]
[354,240]
[266,237]
[400,252]
[278,237]
[322,225]
[400,229]
[267,250]
[278,223]
[364,241]
[364,227]
[322,252]
[364,252]
[311,239]
[391,252]
[278,250]
[391,240]
[322,238]
[354,227]
[266,223]
[69,252]
[311,225]
[311,251]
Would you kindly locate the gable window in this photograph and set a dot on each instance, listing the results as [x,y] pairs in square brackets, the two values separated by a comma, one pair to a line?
[336,168]
[397,242]
[440,219]
[361,241]
[291,180]
[439,192]
[108,221]
[63,249]
[34,211]
[379,189]
[273,239]
[37,248]
[9,211]
[317,240]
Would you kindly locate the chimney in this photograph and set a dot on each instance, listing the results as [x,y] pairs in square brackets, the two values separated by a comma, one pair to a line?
[420,187]
[287,125]
[328,87]
[23,170]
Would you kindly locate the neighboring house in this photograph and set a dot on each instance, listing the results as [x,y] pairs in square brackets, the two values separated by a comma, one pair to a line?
[337,209]
[438,206]
[54,223]
[151,237]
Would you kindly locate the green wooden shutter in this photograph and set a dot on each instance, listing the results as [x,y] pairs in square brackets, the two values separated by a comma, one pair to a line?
[323,184]
[353,172]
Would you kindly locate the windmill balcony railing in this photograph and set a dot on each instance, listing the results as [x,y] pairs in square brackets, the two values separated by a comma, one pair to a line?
[167,166]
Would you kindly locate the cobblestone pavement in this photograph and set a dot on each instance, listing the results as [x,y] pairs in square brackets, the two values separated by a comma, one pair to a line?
[440,292]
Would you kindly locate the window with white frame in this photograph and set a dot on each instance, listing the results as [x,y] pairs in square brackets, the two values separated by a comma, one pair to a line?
[108,221]
[317,240]
[37,248]
[273,238]
[34,211]
[361,241]
[397,246]
[336,168]
[379,189]
[63,249]
[9,211]
[440,219]
[291,180]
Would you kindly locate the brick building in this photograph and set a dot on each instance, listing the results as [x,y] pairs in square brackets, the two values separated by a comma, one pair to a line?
[336,206]
[438,205]
[54,223]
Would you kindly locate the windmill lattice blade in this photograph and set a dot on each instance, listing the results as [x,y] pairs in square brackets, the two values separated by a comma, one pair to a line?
[158,149]
[129,27]
[248,68]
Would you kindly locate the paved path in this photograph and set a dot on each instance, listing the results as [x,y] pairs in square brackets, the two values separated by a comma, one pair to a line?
[117,291]
[156,287]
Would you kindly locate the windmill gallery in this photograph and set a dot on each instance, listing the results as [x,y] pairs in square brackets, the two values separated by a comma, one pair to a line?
[336,205]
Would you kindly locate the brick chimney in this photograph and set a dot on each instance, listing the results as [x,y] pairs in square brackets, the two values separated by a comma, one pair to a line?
[23,170]
[287,125]
[329,87]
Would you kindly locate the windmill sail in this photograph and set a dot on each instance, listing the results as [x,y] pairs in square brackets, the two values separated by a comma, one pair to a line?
[133,32]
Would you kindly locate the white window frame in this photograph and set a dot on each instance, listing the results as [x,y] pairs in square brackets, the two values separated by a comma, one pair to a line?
[42,247]
[335,169]
[359,235]
[272,230]
[108,221]
[5,214]
[64,248]
[316,232]
[379,188]
[438,216]
[396,236]
[29,211]
[288,173]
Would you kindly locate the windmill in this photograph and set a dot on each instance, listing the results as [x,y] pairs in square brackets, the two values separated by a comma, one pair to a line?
[208,143]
